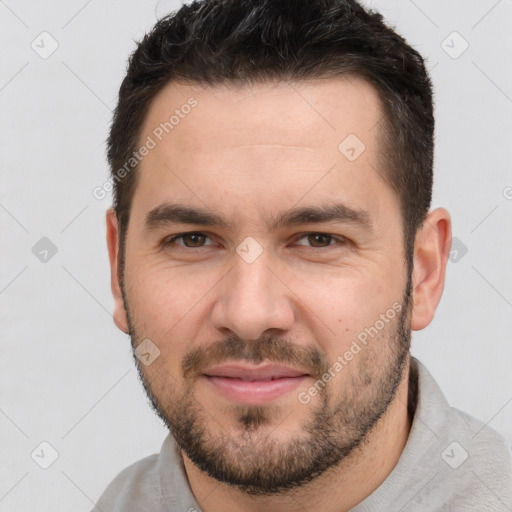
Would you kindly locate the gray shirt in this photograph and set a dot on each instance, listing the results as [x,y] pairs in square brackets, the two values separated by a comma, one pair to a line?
[451,462]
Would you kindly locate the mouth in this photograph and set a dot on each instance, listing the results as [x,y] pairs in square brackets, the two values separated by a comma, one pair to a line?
[253,385]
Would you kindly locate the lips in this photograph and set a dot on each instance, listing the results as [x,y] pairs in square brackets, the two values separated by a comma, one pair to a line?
[253,385]
[255,373]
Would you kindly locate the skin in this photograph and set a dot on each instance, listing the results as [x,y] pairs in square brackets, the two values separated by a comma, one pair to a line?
[248,154]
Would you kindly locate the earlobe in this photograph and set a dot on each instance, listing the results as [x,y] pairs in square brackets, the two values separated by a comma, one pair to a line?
[431,251]
[119,315]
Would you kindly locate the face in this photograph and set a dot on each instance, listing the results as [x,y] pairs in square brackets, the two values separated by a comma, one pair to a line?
[263,244]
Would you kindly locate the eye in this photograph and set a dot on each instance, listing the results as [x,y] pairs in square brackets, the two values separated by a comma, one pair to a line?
[321,240]
[189,240]
[196,240]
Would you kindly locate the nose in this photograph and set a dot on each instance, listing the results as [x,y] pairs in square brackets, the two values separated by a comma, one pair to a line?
[253,299]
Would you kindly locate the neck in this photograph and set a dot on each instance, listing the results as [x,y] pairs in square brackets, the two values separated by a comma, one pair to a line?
[337,490]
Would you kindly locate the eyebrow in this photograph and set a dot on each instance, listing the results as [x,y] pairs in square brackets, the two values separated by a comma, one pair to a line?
[167,214]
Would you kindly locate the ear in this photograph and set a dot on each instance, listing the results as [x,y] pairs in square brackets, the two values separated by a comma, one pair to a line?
[431,251]
[120,316]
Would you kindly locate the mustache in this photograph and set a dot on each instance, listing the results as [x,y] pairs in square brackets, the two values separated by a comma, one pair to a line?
[271,349]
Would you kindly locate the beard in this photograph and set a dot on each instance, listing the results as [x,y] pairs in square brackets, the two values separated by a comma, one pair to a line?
[255,457]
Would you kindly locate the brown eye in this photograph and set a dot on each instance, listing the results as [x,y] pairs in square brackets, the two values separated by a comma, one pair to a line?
[320,240]
[190,240]
[193,239]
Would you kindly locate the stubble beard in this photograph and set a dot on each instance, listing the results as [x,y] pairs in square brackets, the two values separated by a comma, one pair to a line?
[254,456]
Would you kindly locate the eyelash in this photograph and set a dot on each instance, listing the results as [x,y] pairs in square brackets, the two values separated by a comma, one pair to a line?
[341,240]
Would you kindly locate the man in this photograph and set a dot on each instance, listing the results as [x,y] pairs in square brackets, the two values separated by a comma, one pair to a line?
[272,249]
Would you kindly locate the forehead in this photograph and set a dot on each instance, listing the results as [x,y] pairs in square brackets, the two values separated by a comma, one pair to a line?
[307,113]
[260,146]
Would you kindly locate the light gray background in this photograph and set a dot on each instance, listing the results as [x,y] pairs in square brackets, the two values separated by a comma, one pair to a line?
[66,372]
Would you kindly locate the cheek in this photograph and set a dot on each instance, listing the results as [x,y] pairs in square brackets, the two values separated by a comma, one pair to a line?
[346,307]
[165,303]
